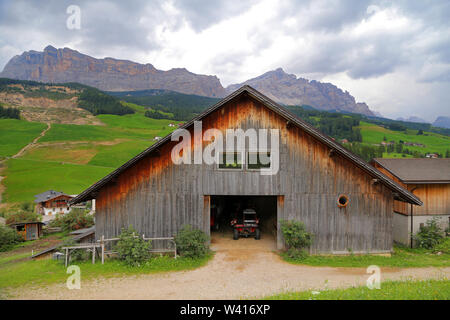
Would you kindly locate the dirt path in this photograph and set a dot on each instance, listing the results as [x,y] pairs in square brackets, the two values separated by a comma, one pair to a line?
[19,154]
[240,269]
[28,146]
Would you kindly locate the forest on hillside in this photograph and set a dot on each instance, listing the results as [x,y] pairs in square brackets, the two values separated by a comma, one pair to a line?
[9,113]
[89,98]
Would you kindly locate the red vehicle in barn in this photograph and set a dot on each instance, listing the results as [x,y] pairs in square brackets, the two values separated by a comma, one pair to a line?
[249,226]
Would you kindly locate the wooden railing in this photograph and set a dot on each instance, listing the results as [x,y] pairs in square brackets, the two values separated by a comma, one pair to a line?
[102,242]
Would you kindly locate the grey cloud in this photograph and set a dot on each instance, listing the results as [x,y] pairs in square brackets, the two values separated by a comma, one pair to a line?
[201,14]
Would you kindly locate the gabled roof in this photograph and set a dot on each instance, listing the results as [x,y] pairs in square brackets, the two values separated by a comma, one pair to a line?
[48,195]
[401,193]
[421,170]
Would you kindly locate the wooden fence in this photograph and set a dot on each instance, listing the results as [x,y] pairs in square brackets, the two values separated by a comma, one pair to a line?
[106,248]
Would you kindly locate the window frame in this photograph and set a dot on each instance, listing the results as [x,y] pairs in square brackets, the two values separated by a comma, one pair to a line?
[242,153]
[259,151]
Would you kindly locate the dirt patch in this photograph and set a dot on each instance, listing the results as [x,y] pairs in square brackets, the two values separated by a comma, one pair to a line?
[244,268]
[44,109]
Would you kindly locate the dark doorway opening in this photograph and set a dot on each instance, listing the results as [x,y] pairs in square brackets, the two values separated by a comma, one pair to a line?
[223,209]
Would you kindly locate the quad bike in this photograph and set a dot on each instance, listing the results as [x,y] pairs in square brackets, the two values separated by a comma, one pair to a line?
[248,227]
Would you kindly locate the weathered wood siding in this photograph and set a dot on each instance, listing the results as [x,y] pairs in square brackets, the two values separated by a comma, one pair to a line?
[435,197]
[158,197]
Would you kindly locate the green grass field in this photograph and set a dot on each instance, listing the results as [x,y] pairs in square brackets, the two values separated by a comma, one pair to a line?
[47,271]
[389,290]
[402,257]
[373,134]
[70,157]
[132,126]
[16,134]
[26,178]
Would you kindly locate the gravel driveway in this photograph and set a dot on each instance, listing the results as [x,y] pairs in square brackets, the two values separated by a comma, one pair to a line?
[240,269]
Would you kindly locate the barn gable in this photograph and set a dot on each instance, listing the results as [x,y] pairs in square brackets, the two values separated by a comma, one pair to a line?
[158,197]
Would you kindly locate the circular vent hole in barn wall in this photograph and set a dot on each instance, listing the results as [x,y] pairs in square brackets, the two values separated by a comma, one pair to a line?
[342,201]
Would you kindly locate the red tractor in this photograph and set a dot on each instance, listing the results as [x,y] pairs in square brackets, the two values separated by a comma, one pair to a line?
[248,227]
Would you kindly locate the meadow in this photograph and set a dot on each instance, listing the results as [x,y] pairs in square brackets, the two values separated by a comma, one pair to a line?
[434,142]
[71,157]
[16,134]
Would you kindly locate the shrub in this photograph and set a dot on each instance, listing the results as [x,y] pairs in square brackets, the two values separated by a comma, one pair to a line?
[296,238]
[22,216]
[76,254]
[443,246]
[74,220]
[429,235]
[8,238]
[295,234]
[192,243]
[297,254]
[131,248]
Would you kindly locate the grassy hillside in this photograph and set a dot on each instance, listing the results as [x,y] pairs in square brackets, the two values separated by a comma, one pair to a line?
[169,104]
[71,157]
[39,97]
[433,142]
[25,178]
[16,134]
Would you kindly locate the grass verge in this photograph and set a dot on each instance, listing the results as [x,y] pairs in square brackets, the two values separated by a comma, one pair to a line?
[401,257]
[46,271]
[389,290]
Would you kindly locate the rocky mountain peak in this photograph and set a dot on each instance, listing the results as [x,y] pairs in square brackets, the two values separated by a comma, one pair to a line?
[290,90]
[68,65]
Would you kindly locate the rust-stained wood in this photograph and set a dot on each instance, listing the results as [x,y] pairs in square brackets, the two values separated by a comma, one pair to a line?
[435,196]
[158,197]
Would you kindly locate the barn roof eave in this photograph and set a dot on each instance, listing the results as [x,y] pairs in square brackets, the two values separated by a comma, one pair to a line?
[404,194]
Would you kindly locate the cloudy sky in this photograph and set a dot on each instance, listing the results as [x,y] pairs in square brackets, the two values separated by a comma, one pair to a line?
[393,56]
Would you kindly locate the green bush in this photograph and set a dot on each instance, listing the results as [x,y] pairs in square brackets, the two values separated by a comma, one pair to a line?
[131,248]
[76,254]
[429,235]
[74,220]
[192,243]
[8,238]
[296,238]
[297,254]
[443,246]
[295,234]
[22,216]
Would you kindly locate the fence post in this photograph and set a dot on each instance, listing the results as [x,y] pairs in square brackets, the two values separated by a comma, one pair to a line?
[103,249]
[67,257]
[93,254]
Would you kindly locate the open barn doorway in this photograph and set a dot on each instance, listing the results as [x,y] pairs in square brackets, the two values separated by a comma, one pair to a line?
[244,220]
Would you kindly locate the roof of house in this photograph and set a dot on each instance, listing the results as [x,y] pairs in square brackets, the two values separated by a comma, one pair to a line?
[24,223]
[81,231]
[418,170]
[48,195]
[401,193]
[77,237]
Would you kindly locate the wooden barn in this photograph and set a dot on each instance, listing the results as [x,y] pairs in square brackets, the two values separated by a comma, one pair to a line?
[429,179]
[343,200]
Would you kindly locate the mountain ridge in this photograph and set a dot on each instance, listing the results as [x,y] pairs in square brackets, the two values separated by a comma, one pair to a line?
[290,90]
[109,74]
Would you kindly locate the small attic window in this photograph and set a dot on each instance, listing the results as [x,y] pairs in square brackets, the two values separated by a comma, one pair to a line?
[342,201]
